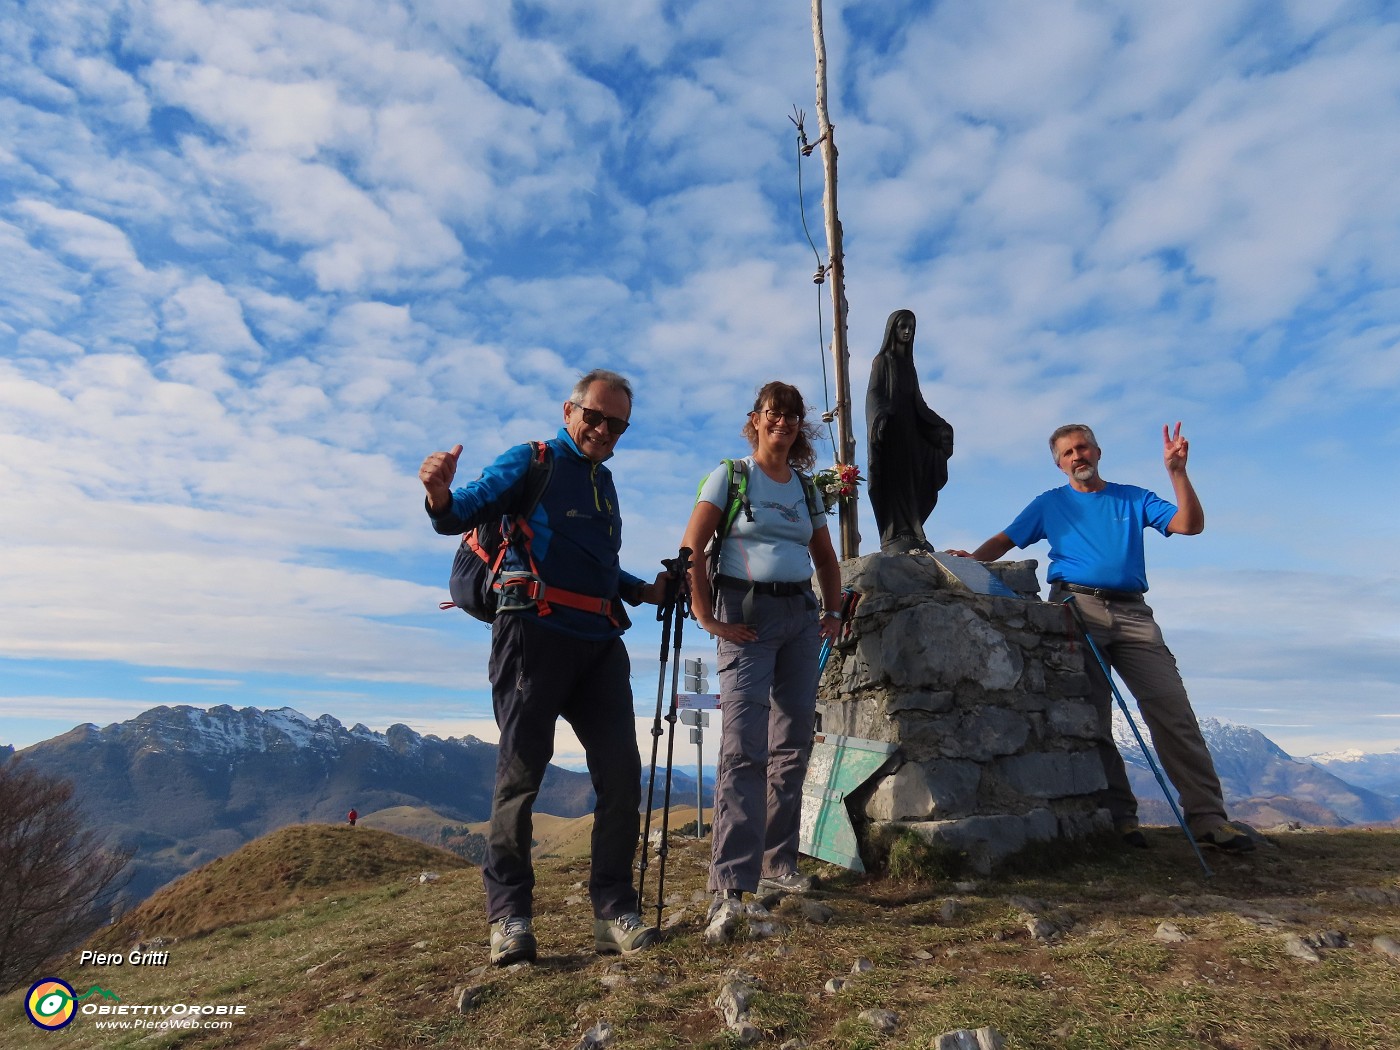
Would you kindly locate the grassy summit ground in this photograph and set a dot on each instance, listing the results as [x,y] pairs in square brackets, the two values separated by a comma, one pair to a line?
[339,944]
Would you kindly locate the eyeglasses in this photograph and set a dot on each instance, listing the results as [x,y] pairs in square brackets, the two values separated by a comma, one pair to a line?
[774,416]
[593,417]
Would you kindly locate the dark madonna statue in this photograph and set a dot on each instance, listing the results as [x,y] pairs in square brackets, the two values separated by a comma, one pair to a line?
[909,442]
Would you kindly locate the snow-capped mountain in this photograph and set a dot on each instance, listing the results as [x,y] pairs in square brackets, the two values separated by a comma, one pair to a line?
[1378,772]
[182,785]
[1262,782]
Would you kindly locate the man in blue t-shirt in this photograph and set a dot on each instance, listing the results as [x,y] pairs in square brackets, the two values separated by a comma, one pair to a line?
[1095,531]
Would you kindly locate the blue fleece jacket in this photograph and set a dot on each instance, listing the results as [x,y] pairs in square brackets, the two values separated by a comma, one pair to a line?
[577,527]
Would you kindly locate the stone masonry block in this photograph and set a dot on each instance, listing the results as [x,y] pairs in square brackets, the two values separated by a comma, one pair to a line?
[933,646]
[863,718]
[1053,774]
[1051,619]
[1028,701]
[983,733]
[1019,576]
[1041,825]
[1076,719]
[1065,657]
[1033,678]
[989,839]
[1068,685]
[924,790]
[856,672]
[1082,824]
[1025,639]
[893,574]
[920,701]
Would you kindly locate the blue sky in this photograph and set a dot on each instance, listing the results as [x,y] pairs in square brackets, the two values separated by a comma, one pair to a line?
[258,259]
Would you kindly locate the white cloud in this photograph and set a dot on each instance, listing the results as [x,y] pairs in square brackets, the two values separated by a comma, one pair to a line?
[86,239]
[213,683]
[203,315]
[100,84]
[256,262]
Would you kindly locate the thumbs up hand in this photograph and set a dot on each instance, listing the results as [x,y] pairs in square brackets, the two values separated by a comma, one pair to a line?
[436,474]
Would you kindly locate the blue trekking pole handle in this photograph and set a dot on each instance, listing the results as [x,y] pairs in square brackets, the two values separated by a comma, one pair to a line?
[1132,724]
[847,605]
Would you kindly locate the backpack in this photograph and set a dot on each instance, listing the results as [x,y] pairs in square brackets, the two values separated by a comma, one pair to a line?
[475,582]
[738,500]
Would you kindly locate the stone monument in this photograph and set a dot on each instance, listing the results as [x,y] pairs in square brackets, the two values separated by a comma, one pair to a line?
[983,698]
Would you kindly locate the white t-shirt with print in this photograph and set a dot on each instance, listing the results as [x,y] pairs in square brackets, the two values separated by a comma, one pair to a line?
[772,547]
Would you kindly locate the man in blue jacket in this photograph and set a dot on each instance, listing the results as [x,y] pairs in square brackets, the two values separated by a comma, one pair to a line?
[1095,531]
[562,657]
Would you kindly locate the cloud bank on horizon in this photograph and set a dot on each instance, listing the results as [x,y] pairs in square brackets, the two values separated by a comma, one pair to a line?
[257,259]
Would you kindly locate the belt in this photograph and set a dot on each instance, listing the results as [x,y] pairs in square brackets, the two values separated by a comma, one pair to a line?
[1102,592]
[775,589]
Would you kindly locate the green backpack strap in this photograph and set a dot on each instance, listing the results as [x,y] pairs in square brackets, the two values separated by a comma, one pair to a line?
[816,508]
[736,500]
[738,493]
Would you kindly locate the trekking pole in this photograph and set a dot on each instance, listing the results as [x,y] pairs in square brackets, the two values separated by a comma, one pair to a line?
[680,568]
[1132,724]
[663,613]
[849,600]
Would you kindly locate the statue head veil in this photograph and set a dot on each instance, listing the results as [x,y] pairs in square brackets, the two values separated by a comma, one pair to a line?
[888,344]
[895,370]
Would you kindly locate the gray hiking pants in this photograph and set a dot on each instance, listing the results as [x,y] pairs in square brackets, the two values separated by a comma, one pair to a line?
[1131,642]
[768,700]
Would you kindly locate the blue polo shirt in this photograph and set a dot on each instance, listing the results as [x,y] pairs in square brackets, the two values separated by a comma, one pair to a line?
[1095,537]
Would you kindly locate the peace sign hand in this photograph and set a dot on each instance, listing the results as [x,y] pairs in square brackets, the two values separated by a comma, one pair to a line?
[1174,449]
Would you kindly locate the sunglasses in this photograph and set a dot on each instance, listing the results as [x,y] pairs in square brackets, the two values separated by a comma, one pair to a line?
[593,417]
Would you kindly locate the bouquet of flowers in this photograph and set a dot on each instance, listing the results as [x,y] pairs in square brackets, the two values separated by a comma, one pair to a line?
[837,483]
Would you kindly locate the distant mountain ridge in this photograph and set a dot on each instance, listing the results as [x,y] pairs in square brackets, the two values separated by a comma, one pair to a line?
[1262,783]
[183,785]
[1380,771]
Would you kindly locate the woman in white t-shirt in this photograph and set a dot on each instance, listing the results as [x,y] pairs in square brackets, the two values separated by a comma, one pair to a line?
[769,629]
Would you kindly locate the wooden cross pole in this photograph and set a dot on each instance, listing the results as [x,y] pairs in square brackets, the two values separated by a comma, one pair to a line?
[836,271]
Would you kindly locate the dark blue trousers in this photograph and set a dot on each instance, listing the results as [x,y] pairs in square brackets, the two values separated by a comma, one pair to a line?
[539,675]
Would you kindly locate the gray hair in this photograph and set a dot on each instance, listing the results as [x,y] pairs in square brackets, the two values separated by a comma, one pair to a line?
[600,375]
[1071,428]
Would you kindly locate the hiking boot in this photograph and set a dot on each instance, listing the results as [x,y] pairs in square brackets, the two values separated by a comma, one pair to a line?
[1128,832]
[512,941]
[624,934]
[792,882]
[1228,839]
[726,910]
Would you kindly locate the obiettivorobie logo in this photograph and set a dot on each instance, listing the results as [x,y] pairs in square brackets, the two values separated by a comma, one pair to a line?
[51,1003]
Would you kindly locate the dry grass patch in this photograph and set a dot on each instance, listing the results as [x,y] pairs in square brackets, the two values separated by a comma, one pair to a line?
[272,874]
[377,966]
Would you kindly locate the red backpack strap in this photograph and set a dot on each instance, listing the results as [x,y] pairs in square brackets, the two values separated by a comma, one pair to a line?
[530,586]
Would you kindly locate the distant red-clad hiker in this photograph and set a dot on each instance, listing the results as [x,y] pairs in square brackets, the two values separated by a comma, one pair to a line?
[351,817]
